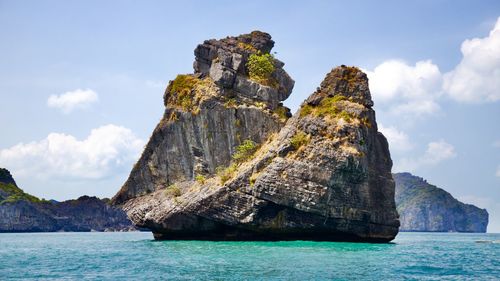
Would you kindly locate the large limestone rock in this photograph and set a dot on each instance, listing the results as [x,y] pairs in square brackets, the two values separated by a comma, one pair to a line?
[425,207]
[209,113]
[324,175]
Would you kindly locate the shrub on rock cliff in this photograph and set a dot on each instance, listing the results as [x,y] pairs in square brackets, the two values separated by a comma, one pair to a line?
[282,113]
[226,174]
[299,139]
[181,89]
[244,151]
[173,190]
[247,47]
[260,67]
[200,179]
[330,106]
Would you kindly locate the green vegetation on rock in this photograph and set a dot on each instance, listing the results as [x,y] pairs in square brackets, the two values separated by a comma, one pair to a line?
[329,106]
[247,47]
[244,151]
[346,116]
[260,68]
[281,112]
[299,139]
[15,194]
[226,174]
[173,190]
[253,178]
[200,179]
[181,91]
[237,123]
[350,74]
[231,102]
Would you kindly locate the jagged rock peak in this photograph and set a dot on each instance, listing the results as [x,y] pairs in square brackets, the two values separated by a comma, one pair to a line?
[242,44]
[243,67]
[6,177]
[231,51]
[234,96]
[347,81]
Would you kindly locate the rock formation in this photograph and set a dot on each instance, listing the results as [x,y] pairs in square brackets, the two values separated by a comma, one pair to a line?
[425,207]
[22,212]
[227,162]
[209,113]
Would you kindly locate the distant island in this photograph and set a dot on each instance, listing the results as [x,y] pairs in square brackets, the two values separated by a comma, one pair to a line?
[22,212]
[425,207]
[422,207]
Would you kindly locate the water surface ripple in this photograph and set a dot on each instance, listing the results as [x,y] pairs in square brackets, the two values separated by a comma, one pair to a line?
[136,256]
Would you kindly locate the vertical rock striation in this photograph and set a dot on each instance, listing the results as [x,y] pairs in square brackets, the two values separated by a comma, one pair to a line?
[325,174]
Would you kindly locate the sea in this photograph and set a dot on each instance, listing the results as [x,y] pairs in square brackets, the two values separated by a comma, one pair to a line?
[136,256]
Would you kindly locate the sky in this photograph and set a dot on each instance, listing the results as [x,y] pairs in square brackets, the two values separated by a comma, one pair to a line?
[81,82]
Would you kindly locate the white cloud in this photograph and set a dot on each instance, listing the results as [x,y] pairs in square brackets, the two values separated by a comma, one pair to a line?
[409,91]
[498,171]
[437,152]
[71,100]
[404,89]
[398,140]
[477,77]
[106,151]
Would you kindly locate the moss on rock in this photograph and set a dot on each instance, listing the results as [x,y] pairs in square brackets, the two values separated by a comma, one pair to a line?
[16,194]
[329,107]
[260,69]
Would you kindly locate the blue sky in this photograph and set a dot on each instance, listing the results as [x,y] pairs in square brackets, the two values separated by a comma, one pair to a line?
[81,82]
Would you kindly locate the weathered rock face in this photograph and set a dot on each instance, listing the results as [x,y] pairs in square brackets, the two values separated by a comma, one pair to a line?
[326,175]
[21,212]
[83,214]
[89,213]
[25,216]
[209,113]
[225,62]
[425,207]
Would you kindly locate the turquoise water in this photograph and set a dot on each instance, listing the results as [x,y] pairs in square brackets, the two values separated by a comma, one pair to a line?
[135,256]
